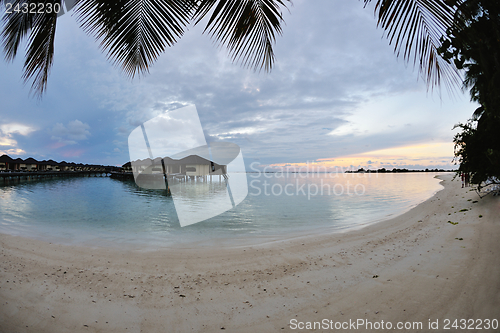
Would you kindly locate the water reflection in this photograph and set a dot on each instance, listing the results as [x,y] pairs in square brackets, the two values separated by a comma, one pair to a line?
[109,210]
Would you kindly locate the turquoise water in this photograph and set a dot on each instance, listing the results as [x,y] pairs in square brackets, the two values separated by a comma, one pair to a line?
[101,211]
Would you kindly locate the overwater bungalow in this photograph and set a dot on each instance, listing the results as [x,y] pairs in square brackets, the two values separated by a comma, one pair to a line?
[42,165]
[127,167]
[139,166]
[52,165]
[189,166]
[5,162]
[19,164]
[72,166]
[31,164]
[198,166]
[63,166]
[97,168]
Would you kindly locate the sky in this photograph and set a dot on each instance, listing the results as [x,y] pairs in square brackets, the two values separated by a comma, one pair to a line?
[337,96]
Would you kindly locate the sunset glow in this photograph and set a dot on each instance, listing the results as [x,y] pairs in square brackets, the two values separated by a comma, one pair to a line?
[432,155]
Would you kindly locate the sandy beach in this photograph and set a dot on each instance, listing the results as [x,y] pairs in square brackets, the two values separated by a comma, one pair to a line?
[415,268]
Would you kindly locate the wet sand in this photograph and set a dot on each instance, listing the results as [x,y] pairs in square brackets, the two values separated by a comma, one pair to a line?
[413,268]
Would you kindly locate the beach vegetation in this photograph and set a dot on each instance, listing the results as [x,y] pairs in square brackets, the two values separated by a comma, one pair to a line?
[473,45]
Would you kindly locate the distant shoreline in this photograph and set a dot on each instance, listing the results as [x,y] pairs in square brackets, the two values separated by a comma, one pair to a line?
[395,170]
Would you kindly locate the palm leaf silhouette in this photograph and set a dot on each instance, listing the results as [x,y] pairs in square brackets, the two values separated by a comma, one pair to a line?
[40,52]
[247,28]
[415,28]
[133,33]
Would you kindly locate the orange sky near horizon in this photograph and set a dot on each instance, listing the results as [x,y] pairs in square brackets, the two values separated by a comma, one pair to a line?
[429,154]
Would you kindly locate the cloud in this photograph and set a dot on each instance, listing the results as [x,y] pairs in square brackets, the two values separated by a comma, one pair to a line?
[14,151]
[16,128]
[8,134]
[71,133]
[5,140]
[333,75]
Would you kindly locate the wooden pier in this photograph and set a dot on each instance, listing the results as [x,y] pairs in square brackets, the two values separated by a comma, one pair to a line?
[51,174]
[122,175]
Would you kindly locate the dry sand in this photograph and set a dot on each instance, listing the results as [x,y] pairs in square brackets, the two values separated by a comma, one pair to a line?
[412,268]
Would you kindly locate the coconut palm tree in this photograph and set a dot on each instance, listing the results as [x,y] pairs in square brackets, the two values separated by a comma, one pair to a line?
[133,33]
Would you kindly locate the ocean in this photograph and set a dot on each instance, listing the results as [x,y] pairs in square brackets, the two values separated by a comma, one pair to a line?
[100,211]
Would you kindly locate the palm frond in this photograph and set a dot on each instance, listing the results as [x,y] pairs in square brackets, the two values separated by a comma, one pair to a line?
[415,28]
[16,27]
[135,32]
[247,27]
[41,28]
[40,53]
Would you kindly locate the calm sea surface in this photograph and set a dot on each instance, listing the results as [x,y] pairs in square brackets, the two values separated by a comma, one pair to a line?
[100,211]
